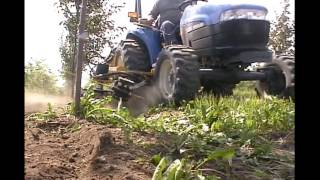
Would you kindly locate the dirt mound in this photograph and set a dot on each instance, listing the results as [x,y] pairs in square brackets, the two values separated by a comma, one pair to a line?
[68,149]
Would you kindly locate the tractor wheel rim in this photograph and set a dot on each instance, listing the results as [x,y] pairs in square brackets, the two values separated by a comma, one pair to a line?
[167,78]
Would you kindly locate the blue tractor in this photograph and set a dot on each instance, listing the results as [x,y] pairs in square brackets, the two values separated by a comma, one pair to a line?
[218,43]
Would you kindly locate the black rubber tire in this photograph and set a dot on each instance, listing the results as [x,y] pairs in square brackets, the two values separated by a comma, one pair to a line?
[135,57]
[280,78]
[181,64]
[219,89]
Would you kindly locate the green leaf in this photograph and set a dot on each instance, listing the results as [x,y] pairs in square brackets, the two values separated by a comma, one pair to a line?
[226,154]
[169,174]
[156,159]
[157,175]
[212,177]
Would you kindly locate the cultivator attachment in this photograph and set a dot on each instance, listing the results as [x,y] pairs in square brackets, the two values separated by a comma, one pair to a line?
[132,89]
[123,84]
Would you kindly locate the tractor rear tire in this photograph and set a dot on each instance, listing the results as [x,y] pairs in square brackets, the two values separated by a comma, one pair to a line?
[177,74]
[280,79]
[135,57]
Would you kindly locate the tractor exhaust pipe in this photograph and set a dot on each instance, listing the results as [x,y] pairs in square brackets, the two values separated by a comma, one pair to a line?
[138,8]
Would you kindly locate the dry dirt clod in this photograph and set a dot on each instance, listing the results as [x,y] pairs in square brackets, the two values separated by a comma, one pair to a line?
[75,154]
[101,159]
[72,160]
[65,137]
[108,168]
[65,145]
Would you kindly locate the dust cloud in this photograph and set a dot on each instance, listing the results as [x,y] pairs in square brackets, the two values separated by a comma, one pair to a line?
[37,102]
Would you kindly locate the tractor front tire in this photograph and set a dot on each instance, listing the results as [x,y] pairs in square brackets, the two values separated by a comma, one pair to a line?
[280,78]
[177,74]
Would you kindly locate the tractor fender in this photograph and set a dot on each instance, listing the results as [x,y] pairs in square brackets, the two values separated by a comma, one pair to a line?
[150,38]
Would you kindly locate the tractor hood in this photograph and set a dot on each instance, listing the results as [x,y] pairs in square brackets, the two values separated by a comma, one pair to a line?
[210,13]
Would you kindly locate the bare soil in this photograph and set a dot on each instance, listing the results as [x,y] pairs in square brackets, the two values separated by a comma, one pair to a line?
[69,149]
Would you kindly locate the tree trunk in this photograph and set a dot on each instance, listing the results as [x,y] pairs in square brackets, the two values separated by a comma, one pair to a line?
[80,57]
[73,71]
